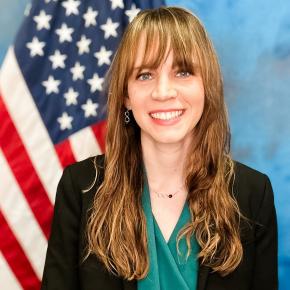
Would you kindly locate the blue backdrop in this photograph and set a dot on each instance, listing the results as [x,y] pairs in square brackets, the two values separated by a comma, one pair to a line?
[252,39]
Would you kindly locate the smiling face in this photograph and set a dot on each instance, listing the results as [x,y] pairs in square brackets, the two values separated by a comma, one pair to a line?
[167,100]
[166,70]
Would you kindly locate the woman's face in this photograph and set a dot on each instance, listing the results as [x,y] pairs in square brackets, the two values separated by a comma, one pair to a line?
[166,102]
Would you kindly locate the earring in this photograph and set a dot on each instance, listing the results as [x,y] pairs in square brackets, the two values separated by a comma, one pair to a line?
[127,117]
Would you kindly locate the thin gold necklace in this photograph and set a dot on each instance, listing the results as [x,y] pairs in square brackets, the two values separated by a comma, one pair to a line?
[167,195]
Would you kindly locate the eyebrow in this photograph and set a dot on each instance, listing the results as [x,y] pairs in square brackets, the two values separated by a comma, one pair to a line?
[137,67]
[174,66]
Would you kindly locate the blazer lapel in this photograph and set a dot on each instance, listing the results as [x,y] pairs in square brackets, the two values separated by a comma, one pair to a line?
[202,277]
[129,285]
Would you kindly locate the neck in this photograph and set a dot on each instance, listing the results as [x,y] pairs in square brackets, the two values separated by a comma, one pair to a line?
[164,164]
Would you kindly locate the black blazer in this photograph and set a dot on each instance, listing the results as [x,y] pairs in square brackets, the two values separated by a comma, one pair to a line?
[65,270]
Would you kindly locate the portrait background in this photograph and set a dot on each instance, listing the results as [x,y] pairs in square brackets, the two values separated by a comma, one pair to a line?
[252,39]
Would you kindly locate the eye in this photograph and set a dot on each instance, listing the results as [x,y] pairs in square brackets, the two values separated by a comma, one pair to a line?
[183,74]
[144,76]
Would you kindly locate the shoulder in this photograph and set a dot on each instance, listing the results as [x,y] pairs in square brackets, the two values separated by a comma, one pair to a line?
[78,185]
[252,190]
[249,177]
[85,173]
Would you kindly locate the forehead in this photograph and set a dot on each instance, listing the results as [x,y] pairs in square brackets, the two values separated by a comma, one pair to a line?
[148,51]
[152,50]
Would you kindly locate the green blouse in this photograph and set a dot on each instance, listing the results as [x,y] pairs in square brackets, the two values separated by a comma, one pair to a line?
[168,268]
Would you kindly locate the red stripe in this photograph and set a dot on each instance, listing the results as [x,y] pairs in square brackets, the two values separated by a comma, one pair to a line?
[16,258]
[99,130]
[23,171]
[65,153]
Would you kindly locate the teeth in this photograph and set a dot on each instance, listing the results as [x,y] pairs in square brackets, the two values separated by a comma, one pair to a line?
[166,115]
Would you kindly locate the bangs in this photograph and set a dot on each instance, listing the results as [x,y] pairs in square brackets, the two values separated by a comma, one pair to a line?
[163,32]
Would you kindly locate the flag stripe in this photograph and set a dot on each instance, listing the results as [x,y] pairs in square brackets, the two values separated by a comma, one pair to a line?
[99,130]
[25,116]
[11,283]
[84,144]
[16,257]
[65,153]
[26,229]
[24,172]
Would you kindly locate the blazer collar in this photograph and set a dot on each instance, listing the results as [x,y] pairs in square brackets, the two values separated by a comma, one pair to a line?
[202,277]
[130,285]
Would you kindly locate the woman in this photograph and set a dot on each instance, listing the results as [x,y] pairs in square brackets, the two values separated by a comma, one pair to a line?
[167,207]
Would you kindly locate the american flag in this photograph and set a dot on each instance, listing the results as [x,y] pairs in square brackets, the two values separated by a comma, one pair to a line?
[52,113]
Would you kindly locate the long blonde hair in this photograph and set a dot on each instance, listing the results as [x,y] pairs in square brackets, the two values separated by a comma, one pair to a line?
[117,227]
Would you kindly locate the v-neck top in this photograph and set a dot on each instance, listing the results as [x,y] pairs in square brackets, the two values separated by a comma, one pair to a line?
[168,268]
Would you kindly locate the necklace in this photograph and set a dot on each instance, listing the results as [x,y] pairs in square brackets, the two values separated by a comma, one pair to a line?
[169,195]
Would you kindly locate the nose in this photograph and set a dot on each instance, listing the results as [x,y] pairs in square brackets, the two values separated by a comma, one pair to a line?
[164,89]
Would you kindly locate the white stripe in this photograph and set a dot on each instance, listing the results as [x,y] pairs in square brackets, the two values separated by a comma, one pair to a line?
[7,278]
[29,124]
[20,218]
[84,144]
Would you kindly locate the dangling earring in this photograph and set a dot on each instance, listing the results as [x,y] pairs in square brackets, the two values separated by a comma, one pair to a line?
[127,117]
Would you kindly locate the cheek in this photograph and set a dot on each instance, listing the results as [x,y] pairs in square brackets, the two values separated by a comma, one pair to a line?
[200,97]
[201,102]
[136,98]
[196,98]
[197,109]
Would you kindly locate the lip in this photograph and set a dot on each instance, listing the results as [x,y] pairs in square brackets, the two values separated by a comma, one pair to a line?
[163,122]
[166,110]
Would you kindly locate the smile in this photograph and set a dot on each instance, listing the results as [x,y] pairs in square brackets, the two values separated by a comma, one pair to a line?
[166,115]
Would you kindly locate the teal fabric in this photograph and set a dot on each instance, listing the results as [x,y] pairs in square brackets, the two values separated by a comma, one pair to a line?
[168,268]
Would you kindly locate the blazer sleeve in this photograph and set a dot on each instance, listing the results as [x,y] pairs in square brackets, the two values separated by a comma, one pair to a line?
[266,268]
[61,265]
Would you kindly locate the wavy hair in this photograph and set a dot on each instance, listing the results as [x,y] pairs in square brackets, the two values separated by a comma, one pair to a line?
[117,226]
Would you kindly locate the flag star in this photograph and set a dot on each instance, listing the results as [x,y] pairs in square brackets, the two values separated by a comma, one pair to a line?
[77,71]
[95,83]
[57,59]
[36,47]
[83,45]
[71,7]
[117,3]
[90,17]
[64,33]
[71,97]
[42,20]
[65,121]
[110,28]
[103,56]
[131,13]
[90,108]
[51,85]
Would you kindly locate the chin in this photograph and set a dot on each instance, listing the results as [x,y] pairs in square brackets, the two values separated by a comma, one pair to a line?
[169,139]
[166,137]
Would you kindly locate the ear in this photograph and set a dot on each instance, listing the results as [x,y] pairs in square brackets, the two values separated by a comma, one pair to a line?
[127,103]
